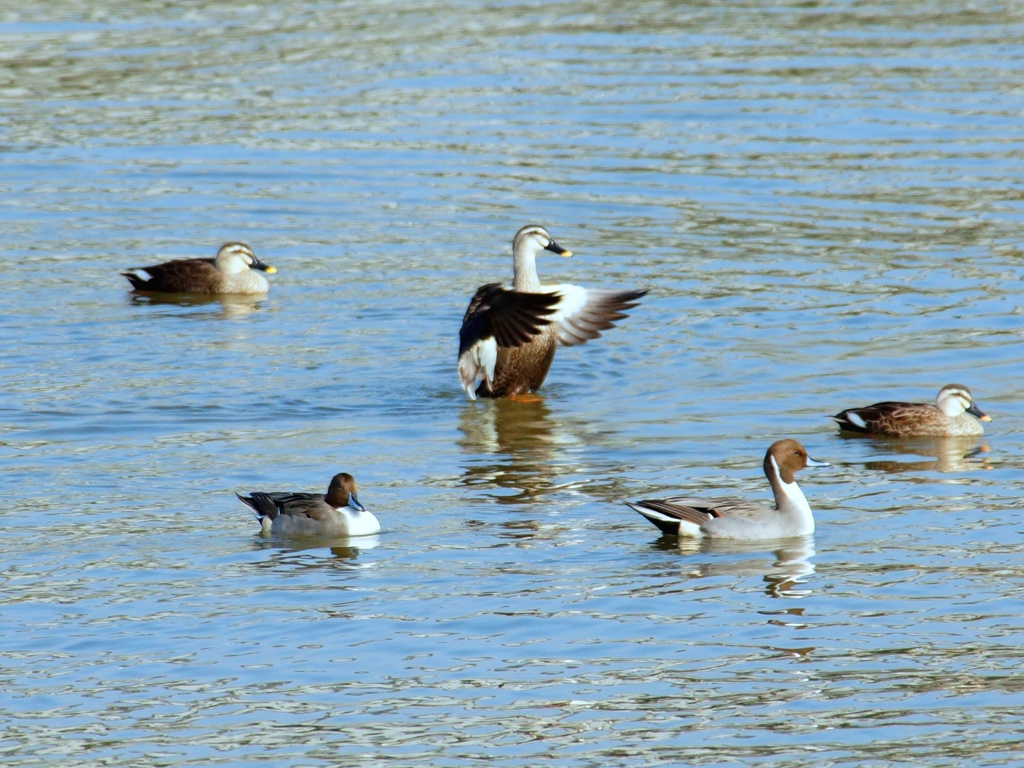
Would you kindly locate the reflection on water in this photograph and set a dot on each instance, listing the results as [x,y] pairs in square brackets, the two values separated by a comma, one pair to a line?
[230,305]
[803,182]
[945,454]
[801,653]
[514,445]
[286,551]
[521,530]
[783,576]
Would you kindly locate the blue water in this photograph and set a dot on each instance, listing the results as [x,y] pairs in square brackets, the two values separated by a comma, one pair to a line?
[823,200]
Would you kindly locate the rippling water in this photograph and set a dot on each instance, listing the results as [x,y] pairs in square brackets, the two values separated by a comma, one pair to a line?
[824,199]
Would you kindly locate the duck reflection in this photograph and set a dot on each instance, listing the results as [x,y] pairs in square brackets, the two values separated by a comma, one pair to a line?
[783,576]
[230,305]
[944,454]
[514,446]
[295,552]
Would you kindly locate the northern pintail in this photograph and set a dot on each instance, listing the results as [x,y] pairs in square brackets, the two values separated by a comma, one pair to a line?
[339,513]
[738,518]
[954,414]
[232,271]
[508,337]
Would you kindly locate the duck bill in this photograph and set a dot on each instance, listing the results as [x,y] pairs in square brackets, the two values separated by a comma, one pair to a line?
[257,264]
[556,248]
[353,501]
[978,413]
[815,463]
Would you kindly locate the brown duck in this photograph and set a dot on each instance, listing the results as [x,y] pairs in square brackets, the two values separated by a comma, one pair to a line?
[338,513]
[232,271]
[954,414]
[509,336]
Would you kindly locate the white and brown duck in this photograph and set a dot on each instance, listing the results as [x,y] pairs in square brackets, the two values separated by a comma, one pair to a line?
[509,336]
[954,414]
[728,518]
[235,269]
[336,513]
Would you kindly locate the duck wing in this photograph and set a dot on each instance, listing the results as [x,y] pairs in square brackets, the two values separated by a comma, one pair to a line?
[880,417]
[179,276]
[582,313]
[271,505]
[498,317]
[510,317]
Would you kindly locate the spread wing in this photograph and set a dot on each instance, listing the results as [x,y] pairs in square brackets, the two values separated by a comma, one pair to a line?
[582,313]
[509,317]
[498,317]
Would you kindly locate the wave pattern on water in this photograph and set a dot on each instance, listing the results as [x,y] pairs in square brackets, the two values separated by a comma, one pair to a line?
[824,201]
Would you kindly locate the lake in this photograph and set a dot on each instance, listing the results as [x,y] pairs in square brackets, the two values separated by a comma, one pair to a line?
[824,200]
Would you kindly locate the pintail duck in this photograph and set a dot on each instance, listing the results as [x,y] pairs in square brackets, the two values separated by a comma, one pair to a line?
[339,513]
[232,271]
[737,518]
[508,337]
[947,418]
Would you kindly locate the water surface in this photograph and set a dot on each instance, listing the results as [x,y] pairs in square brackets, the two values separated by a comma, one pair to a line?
[824,200]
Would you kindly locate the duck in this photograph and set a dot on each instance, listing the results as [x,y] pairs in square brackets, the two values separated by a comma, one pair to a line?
[954,414]
[509,335]
[726,518]
[338,513]
[231,271]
